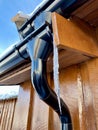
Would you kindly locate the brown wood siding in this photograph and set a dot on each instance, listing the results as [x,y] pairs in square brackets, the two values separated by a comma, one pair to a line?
[7,108]
[88,12]
[79,90]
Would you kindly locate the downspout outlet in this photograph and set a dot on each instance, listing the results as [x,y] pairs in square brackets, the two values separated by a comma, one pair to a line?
[39,51]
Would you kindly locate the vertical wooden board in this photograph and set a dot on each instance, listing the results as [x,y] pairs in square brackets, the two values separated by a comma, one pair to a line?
[7,114]
[21,114]
[70,94]
[54,121]
[73,97]
[11,113]
[88,98]
[5,121]
[30,116]
[10,107]
[4,114]
[1,109]
[93,79]
[40,114]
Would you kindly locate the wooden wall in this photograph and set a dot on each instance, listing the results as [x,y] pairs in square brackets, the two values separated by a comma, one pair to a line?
[7,109]
[79,89]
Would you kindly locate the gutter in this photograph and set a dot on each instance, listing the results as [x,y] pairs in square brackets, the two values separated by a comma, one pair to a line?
[18,54]
[36,47]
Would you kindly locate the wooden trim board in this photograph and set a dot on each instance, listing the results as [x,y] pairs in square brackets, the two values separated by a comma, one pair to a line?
[74,35]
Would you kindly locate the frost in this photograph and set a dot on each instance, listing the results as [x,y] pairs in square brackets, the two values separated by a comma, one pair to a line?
[9,92]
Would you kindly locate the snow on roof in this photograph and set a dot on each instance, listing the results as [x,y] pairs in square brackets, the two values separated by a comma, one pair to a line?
[9,92]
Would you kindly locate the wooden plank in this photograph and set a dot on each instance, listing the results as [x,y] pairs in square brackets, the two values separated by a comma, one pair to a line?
[73,96]
[74,35]
[81,8]
[53,120]
[30,116]
[20,75]
[11,113]
[1,109]
[66,58]
[40,114]
[78,97]
[7,114]
[3,121]
[86,9]
[92,16]
[90,117]
[21,114]
[92,67]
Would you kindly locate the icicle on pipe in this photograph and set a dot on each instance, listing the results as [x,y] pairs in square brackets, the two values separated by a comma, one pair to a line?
[56,74]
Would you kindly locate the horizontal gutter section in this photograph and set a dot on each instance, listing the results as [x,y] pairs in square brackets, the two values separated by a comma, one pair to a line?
[23,42]
[13,58]
[45,7]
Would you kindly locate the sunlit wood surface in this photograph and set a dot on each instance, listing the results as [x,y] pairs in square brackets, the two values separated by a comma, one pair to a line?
[7,109]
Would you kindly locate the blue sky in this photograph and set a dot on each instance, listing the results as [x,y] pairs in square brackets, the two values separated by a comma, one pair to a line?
[8,9]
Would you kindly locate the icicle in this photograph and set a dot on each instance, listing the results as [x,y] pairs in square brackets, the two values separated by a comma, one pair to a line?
[56,74]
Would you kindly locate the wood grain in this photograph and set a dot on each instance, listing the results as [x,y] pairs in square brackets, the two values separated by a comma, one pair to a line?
[21,115]
[92,18]
[40,114]
[90,117]
[88,12]
[70,94]
[16,76]
[87,8]
[7,108]
[74,35]
[93,80]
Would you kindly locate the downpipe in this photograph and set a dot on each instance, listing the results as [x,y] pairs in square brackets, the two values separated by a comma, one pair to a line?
[39,51]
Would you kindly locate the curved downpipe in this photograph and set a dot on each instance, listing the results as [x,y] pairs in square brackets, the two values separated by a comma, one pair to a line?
[39,50]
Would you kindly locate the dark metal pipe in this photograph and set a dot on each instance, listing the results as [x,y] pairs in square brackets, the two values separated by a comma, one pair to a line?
[23,42]
[17,55]
[64,126]
[39,50]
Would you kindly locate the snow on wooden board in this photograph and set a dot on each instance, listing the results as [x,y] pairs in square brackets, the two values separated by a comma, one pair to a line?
[9,92]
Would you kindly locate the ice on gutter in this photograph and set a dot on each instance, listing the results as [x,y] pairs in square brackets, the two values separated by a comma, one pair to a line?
[9,92]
